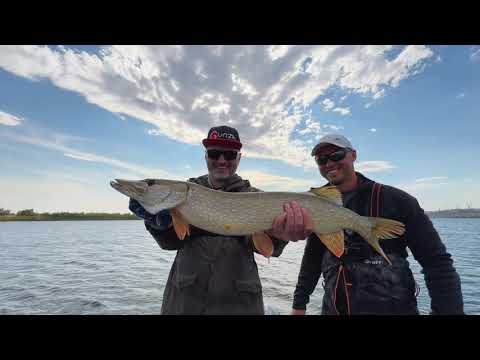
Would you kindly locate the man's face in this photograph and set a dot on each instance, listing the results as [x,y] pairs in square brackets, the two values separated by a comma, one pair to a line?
[336,172]
[219,166]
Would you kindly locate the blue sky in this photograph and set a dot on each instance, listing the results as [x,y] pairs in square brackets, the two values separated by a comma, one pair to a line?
[73,118]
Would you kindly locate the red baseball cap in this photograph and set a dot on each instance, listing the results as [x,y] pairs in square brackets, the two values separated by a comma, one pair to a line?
[224,136]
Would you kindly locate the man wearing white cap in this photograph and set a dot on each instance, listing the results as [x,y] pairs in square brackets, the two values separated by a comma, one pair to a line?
[360,281]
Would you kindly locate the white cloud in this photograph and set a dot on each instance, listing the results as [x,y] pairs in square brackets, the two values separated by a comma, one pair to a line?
[277,51]
[342,111]
[311,127]
[367,77]
[372,130]
[373,166]
[333,127]
[67,151]
[431,179]
[328,104]
[367,105]
[9,119]
[84,157]
[270,182]
[184,90]
[154,132]
[242,86]
[460,96]
[475,56]
[379,94]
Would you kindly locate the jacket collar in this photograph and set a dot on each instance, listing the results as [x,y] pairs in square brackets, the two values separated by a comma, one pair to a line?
[233,183]
[364,183]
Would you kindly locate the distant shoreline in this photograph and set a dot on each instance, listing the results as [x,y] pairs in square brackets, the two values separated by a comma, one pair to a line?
[69,218]
[455,214]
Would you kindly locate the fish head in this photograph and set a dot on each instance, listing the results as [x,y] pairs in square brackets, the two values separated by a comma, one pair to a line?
[154,195]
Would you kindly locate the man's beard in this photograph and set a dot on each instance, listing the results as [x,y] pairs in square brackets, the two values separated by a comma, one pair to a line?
[222,176]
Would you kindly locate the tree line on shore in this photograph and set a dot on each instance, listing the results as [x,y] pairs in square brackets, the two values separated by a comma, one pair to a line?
[30,213]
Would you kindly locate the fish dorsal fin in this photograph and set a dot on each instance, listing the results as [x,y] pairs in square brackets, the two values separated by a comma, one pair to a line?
[335,242]
[328,192]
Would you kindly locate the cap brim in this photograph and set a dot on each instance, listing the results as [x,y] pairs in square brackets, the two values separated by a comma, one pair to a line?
[232,144]
[322,144]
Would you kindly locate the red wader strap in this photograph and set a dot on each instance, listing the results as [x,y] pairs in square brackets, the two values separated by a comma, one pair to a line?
[374,212]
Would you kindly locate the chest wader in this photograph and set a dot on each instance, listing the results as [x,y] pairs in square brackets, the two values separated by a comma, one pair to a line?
[361,282]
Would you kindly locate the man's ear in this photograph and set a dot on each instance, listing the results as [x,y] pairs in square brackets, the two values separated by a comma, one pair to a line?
[239,156]
[354,155]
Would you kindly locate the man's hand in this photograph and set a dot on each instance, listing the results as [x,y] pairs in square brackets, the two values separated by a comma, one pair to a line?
[298,312]
[159,221]
[293,225]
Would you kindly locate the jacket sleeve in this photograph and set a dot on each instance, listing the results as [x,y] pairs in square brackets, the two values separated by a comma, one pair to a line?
[278,246]
[441,278]
[166,239]
[310,272]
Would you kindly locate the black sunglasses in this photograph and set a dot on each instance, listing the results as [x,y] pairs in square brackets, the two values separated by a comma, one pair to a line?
[335,156]
[227,154]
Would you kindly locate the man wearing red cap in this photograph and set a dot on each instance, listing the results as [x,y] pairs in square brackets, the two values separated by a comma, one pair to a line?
[212,273]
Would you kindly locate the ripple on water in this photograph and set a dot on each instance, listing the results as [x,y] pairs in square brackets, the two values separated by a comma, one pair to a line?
[116,267]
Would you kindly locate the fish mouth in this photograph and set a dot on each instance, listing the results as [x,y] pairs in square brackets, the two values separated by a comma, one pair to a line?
[128,187]
[139,189]
[115,184]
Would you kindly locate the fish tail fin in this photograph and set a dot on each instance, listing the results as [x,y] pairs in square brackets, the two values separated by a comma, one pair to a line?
[381,228]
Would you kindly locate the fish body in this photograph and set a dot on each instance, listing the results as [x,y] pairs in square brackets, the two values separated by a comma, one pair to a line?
[247,213]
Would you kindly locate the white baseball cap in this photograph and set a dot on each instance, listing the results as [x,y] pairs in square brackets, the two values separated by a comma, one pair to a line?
[334,139]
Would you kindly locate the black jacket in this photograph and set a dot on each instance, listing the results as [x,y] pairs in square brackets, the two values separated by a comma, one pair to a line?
[373,287]
[211,273]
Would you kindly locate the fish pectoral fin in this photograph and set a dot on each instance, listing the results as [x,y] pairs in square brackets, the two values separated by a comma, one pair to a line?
[329,192]
[263,243]
[335,242]
[180,225]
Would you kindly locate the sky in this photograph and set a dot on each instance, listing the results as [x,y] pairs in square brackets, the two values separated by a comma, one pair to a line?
[72,118]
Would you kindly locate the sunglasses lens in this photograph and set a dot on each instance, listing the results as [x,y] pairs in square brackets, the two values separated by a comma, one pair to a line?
[227,155]
[230,155]
[336,156]
[213,154]
[322,159]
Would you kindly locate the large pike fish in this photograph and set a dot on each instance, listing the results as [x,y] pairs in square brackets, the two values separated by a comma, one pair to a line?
[252,213]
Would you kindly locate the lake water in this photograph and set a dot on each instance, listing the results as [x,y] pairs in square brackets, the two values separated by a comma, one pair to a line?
[116,267]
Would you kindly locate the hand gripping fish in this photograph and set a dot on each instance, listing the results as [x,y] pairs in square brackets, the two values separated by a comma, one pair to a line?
[252,213]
